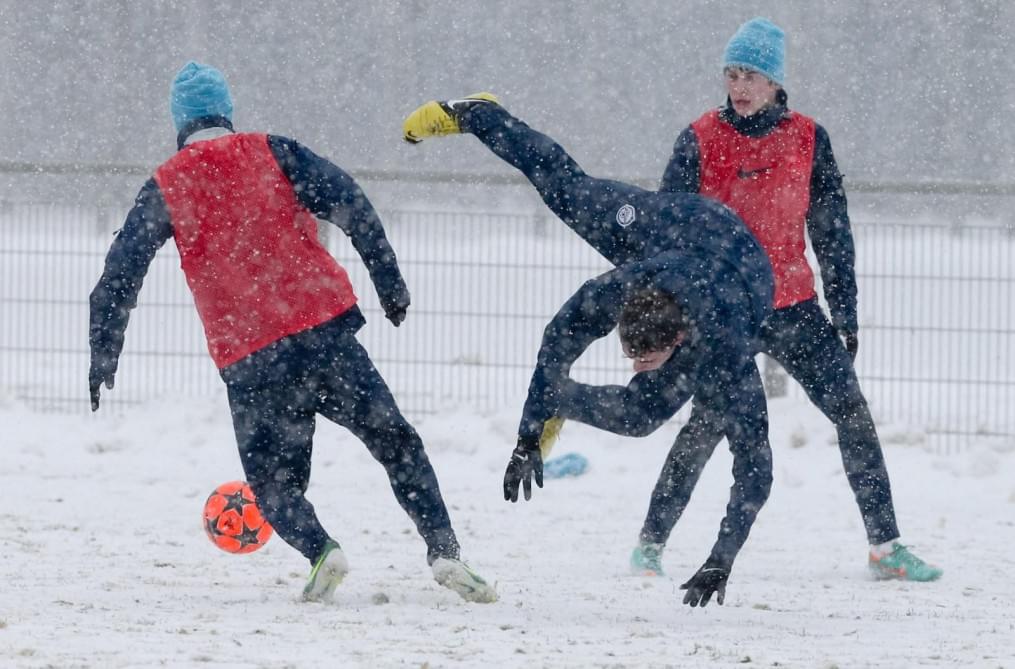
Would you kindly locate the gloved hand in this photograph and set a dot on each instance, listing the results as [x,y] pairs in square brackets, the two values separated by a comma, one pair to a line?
[526,463]
[396,305]
[711,578]
[852,342]
[101,371]
[396,316]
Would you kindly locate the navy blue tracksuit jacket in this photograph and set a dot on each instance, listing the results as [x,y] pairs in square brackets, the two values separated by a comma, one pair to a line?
[694,249]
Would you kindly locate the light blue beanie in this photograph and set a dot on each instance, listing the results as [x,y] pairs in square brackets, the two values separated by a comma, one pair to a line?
[197,91]
[758,45]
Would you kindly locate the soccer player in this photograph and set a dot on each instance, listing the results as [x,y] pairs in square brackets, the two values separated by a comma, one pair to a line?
[280,317]
[689,292]
[776,169]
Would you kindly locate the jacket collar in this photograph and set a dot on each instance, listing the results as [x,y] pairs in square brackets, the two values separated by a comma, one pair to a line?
[199,124]
[760,123]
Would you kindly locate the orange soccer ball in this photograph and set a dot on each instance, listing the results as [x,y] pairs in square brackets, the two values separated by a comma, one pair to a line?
[232,520]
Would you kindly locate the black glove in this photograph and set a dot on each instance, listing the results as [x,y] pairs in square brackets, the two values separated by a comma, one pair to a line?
[711,578]
[526,461]
[394,309]
[396,316]
[851,341]
[102,370]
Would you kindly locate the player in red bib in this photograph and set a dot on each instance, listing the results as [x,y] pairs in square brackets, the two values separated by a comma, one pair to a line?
[280,317]
[775,168]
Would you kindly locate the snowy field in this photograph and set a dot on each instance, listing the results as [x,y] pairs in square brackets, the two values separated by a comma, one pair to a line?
[103,558]
[105,563]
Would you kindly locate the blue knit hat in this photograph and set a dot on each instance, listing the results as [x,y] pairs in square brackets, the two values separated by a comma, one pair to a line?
[197,91]
[758,45]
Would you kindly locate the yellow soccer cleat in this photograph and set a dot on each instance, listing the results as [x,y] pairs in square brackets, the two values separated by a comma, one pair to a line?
[436,119]
[551,430]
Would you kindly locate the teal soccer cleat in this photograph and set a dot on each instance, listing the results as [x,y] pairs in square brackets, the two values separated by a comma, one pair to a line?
[646,560]
[902,565]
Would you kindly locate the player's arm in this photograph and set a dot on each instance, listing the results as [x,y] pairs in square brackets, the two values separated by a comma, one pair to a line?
[591,313]
[736,394]
[683,172]
[331,194]
[634,410]
[829,229]
[145,230]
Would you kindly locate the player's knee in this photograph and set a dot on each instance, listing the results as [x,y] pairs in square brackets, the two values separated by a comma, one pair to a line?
[270,498]
[396,443]
[849,410]
[275,490]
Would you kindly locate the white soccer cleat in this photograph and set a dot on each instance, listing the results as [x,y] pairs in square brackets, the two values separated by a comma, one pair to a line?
[456,575]
[326,575]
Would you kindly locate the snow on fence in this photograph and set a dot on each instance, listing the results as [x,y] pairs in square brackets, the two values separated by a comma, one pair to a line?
[937,350]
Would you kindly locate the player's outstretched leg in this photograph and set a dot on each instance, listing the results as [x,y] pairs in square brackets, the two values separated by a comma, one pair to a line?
[599,210]
[436,119]
[375,419]
[803,340]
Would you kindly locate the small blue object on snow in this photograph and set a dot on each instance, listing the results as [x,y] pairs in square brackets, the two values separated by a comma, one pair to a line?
[570,464]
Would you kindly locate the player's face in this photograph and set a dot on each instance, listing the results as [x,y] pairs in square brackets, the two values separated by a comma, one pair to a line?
[651,360]
[749,92]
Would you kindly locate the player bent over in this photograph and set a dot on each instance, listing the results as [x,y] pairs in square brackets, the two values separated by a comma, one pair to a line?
[689,293]
[280,317]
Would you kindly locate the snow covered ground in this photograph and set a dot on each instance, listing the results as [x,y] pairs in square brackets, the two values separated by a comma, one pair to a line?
[105,563]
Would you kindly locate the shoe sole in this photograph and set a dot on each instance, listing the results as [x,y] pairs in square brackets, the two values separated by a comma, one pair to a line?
[885,574]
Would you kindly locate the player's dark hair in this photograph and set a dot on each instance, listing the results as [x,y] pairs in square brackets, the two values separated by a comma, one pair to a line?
[650,320]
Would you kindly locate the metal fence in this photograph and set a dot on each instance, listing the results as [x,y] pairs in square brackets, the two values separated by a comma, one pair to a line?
[936,302]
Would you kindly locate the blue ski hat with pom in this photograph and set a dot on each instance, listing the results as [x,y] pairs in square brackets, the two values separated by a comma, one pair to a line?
[758,45]
[198,91]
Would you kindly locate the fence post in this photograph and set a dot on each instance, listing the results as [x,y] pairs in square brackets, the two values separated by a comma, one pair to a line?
[541,223]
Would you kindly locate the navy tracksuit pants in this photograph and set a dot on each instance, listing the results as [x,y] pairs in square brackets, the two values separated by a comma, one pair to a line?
[275,394]
[587,204]
[804,342]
